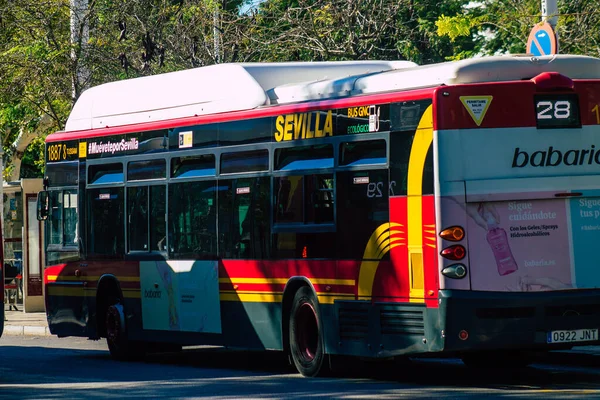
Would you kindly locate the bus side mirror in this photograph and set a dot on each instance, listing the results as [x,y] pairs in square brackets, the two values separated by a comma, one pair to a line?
[43,205]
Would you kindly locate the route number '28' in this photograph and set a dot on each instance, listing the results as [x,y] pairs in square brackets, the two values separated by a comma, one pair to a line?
[559,109]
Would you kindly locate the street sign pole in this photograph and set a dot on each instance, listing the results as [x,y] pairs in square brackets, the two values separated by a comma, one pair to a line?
[550,14]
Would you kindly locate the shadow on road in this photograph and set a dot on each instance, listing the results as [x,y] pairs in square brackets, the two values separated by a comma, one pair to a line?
[44,373]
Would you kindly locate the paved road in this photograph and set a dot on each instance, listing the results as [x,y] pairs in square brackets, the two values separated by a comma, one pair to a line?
[48,368]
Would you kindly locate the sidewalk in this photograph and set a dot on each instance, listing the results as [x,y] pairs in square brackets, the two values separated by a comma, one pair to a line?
[20,323]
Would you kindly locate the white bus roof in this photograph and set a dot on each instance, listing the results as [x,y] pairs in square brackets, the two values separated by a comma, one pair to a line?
[205,90]
[236,87]
[479,70]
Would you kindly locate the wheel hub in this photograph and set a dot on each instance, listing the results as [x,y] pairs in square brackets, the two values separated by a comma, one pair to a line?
[308,332]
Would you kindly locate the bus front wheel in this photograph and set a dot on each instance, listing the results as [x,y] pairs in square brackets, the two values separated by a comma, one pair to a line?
[119,346]
[306,334]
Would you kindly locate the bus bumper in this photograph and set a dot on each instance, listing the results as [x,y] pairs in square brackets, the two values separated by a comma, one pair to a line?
[494,320]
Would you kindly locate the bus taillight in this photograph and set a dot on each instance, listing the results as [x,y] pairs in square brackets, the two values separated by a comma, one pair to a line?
[456,252]
[455,271]
[454,234]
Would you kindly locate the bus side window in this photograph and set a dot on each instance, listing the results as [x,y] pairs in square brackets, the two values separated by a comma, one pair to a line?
[70,218]
[192,220]
[288,199]
[319,204]
[56,217]
[363,206]
[400,146]
[146,218]
[306,199]
[106,226]
[244,218]
[405,118]
[137,219]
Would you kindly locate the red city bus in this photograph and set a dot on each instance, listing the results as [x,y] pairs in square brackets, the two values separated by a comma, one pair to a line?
[367,209]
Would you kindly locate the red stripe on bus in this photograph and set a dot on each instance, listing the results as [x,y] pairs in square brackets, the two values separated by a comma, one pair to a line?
[393,279]
[244,115]
[51,272]
[430,252]
[279,269]
[280,287]
[512,105]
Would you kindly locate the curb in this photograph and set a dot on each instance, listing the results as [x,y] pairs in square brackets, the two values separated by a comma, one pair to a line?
[16,330]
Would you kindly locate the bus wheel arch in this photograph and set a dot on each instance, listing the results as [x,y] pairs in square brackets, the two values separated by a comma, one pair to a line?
[112,324]
[302,328]
[109,293]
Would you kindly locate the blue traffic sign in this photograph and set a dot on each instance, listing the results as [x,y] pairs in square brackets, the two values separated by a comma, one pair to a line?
[542,40]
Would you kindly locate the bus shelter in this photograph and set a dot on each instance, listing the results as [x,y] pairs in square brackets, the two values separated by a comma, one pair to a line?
[23,236]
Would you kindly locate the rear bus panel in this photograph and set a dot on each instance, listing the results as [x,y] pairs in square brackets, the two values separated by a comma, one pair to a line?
[519,168]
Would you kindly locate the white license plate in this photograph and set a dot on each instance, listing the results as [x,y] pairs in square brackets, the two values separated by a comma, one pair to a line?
[577,335]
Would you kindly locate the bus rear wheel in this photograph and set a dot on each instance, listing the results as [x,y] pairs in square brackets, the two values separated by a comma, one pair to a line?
[119,346]
[306,334]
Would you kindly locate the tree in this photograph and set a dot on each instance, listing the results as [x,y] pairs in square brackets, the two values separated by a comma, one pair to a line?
[349,30]
[34,67]
[503,26]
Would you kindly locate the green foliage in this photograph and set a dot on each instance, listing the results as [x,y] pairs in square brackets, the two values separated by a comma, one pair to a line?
[503,26]
[350,30]
[457,26]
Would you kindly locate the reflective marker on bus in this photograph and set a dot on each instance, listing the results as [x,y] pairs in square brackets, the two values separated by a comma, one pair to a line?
[449,209]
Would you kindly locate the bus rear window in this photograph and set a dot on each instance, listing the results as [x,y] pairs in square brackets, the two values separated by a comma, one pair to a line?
[245,161]
[363,153]
[304,157]
[147,169]
[105,173]
[193,166]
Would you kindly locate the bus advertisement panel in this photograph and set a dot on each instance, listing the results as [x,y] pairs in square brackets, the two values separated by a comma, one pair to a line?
[446,209]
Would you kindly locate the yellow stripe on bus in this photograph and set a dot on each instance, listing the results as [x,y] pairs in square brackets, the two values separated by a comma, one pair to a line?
[277,297]
[379,244]
[252,297]
[55,278]
[330,299]
[418,155]
[132,293]
[233,295]
[69,291]
[343,282]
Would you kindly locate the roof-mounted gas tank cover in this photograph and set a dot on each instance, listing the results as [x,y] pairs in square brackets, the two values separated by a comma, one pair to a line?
[552,81]
[205,90]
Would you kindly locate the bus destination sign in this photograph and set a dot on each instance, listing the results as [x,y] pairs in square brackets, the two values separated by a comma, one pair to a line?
[62,151]
[555,111]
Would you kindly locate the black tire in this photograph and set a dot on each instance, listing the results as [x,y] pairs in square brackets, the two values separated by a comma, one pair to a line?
[119,346]
[498,359]
[306,334]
